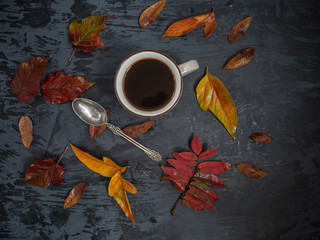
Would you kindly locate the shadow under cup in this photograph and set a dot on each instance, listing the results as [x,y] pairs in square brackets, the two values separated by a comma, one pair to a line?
[137,63]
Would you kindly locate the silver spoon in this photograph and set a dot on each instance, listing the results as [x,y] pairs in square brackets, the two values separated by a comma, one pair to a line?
[94,114]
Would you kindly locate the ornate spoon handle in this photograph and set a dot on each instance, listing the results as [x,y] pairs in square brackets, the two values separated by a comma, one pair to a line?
[154,155]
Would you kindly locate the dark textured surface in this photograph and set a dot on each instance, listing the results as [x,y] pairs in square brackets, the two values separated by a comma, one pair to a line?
[278,93]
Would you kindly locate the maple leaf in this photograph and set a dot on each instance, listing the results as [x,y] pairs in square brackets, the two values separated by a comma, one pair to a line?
[59,88]
[192,180]
[85,35]
[212,95]
[117,189]
[184,26]
[27,79]
[42,173]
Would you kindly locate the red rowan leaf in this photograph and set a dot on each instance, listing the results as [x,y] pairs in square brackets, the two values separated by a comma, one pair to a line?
[202,201]
[178,183]
[196,145]
[75,195]
[181,167]
[203,190]
[27,78]
[213,167]
[59,88]
[191,203]
[174,173]
[209,179]
[190,156]
[208,153]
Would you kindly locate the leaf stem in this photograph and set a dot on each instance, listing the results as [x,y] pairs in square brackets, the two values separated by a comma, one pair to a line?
[74,49]
[62,155]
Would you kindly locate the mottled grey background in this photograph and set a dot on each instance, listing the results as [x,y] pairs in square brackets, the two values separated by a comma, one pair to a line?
[277,93]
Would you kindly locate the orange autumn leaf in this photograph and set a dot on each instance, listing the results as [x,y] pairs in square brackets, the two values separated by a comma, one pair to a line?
[117,189]
[250,170]
[75,195]
[241,59]
[26,130]
[106,168]
[238,30]
[149,15]
[184,26]
[137,130]
[212,95]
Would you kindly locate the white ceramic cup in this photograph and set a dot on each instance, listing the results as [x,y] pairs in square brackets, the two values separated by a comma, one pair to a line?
[177,71]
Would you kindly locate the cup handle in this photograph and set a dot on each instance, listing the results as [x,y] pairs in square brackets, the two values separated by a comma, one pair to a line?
[188,67]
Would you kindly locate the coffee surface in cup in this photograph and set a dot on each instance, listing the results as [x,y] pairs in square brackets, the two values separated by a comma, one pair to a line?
[149,84]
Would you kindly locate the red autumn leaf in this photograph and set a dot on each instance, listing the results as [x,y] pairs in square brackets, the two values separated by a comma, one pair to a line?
[238,30]
[181,167]
[250,170]
[213,167]
[260,137]
[203,190]
[149,15]
[208,153]
[26,81]
[137,130]
[75,195]
[191,203]
[174,173]
[184,26]
[209,179]
[59,88]
[196,145]
[85,35]
[42,173]
[190,156]
[178,183]
[202,201]
[185,162]
[95,131]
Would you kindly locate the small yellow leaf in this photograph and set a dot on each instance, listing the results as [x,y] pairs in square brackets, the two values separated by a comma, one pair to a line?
[212,95]
[117,189]
[106,168]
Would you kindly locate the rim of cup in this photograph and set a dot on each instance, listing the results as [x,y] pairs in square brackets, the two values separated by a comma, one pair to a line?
[125,66]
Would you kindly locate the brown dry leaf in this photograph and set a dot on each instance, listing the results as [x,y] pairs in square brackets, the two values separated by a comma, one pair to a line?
[241,59]
[251,171]
[260,137]
[95,131]
[238,30]
[150,14]
[137,130]
[26,128]
[75,195]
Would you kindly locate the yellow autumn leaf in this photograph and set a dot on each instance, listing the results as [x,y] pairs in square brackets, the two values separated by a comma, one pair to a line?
[117,189]
[212,95]
[106,168]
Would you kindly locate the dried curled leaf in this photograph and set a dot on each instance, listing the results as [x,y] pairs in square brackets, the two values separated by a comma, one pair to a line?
[251,171]
[238,30]
[241,59]
[26,130]
[95,131]
[260,137]
[137,130]
[26,81]
[59,88]
[150,14]
[184,26]
[117,189]
[106,168]
[75,195]
[212,95]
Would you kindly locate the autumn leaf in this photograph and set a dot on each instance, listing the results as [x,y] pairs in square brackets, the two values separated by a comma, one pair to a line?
[238,30]
[241,59]
[106,168]
[27,78]
[75,195]
[85,35]
[95,131]
[42,173]
[250,170]
[59,88]
[183,27]
[137,130]
[150,14]
[117,189]
[212,95]
[193,181]
[26,128]
[260,137]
